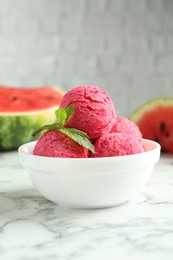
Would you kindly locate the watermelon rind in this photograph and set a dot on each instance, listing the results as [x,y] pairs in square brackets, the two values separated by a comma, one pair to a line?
[17,128]
[149,106]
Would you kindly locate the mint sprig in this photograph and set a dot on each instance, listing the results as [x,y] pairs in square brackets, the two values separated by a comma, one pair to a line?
[62,117]
[79,137]
[64,114]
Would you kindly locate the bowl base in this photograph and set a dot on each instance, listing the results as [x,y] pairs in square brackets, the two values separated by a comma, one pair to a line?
[64,205]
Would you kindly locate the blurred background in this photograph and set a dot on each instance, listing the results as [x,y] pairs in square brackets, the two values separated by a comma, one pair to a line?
[122,46]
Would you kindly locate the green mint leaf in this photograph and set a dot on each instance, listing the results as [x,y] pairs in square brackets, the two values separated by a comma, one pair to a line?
[79,137]
[54,126]
[61,116]
[69,112]
[64,114]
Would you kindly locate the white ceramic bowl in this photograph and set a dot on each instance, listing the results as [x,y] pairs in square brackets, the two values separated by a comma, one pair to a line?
[91,182]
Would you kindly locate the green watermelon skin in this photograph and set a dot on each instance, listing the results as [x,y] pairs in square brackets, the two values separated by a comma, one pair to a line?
[155,121]
[17,129]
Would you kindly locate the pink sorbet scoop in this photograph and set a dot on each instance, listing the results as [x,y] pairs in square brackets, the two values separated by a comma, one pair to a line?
[56,144]
[116,144]
[124,125]
[124,138]
[94,111]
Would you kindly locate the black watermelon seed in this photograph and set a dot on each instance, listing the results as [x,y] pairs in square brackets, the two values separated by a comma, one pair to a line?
[162,126]
[49,97]
[14,98]
[167,134]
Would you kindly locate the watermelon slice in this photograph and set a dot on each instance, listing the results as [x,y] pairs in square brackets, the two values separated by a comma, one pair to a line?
[24,110]
[155,121]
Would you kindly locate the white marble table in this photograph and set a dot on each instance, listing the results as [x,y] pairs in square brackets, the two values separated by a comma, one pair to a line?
[32,228]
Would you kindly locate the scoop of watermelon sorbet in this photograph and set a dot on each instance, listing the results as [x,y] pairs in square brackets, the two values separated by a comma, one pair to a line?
[94,111]
[117,144]
[56,144]
[124,125]
[124,138]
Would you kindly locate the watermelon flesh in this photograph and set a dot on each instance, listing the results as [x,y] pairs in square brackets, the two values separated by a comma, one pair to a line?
[25,100]
[155,121]
[22,111]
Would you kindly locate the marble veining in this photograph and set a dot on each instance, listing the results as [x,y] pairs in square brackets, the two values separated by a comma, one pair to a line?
[33,228]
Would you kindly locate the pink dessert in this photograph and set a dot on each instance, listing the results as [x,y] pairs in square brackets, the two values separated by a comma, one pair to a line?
[56,144]
[116,144]
[95,115]
[124,138]
[94,111]
[123,125]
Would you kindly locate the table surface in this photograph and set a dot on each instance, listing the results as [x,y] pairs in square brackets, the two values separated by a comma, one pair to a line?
[33,228]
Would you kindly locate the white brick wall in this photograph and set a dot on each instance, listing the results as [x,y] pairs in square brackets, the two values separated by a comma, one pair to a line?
[123,46]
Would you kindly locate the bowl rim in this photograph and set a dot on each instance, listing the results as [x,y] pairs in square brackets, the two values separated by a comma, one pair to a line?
[156,146]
